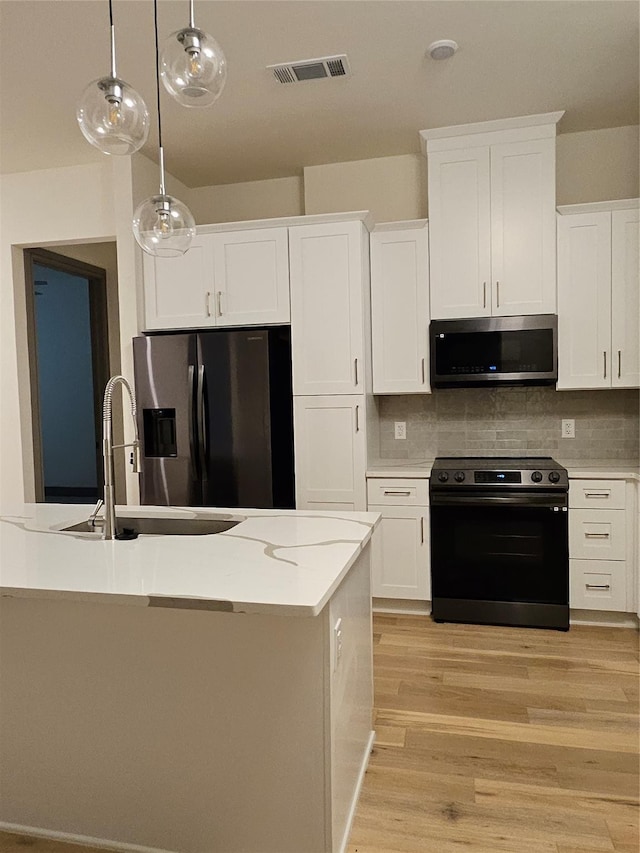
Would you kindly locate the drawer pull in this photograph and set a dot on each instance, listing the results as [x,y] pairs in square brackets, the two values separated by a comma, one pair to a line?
[619,363]
[355,371]
[423,371]
[596,535]
[422,530]
[357,418]
[604,354]
[603,495]
[396,493]
[598,586]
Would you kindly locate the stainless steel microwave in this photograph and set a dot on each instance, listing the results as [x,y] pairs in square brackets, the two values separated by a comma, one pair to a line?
[494,351]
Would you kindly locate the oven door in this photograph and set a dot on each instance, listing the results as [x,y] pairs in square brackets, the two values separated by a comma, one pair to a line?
[500,558]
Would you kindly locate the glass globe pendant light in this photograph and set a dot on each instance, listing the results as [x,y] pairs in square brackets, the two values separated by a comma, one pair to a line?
[162,225]
[111,114]
[193,67]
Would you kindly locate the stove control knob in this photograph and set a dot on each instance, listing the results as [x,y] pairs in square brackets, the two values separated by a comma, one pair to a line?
[459,476]
[443,476]
[554,477]
[536,476]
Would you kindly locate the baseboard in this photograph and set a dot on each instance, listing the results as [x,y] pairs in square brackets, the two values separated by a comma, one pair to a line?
[356,794]
[407,606]
[603,619]
[83,840]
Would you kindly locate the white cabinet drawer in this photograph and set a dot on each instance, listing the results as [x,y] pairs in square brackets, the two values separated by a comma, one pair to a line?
[598,584]
[398,492]
[597,534]
[597,494]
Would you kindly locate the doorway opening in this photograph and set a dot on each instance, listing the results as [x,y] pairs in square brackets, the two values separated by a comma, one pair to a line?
[69,366]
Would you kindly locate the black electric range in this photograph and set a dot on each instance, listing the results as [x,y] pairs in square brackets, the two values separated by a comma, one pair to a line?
[499,541]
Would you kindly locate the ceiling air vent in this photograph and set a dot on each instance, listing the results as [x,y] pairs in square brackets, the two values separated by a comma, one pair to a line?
[311,69]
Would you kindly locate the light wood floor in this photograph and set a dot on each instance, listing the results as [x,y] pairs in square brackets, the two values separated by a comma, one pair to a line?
[493,740]
[501,740]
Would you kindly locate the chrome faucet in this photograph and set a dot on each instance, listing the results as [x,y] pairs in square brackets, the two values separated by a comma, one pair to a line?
[107,452]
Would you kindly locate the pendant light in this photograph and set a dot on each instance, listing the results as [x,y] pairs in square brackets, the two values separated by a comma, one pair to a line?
[162,225]
[111,114]
[193,66]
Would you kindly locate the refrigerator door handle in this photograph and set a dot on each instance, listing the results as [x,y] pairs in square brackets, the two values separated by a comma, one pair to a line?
[202,435]
[192,433]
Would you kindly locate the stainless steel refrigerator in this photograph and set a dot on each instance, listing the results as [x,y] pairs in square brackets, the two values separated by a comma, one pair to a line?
[215,416]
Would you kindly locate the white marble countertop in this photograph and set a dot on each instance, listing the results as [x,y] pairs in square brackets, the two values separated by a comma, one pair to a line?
[602,470]
[413,469]
[274,561]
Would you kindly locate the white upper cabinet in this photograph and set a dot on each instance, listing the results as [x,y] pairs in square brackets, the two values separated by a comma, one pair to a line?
[492,236]
[234,278]
[251,272]
[460,233]
[523,227]
[400,308]
[178,291]
[625,303]
[598,306]
[329,276]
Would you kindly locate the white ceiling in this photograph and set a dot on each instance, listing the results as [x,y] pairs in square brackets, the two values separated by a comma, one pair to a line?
[516,57]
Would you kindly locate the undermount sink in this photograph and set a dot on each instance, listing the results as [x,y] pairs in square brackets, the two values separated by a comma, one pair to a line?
[130,526]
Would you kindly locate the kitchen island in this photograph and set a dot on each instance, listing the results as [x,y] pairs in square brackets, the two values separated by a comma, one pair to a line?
[186,693]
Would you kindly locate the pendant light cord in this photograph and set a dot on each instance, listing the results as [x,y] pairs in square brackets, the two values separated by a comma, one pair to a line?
[161,149]
[112,33]
[191,15]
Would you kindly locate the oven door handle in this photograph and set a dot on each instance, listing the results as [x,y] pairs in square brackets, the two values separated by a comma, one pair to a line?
[552,501]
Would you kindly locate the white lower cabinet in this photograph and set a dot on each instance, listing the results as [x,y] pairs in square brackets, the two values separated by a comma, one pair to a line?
[400,564]
[601,545]
[330,452]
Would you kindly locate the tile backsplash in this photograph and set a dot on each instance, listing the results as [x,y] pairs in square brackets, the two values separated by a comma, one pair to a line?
[512,422]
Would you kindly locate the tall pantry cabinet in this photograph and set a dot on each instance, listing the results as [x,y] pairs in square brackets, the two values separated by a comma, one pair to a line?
[330,338]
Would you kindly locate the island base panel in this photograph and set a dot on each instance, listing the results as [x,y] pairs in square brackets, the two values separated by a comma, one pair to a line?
[185,731]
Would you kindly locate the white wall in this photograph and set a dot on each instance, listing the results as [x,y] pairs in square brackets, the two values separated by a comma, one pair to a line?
[251,200]
[392,188]
[44,208]
[597,165]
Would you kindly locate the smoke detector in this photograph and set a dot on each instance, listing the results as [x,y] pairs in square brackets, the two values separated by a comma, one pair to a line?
[442,49]
[311,69]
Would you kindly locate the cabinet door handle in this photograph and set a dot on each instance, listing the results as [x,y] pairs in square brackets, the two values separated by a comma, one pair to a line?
[484,294]
[422,530]
[598,586]
[604,495]
[588,535]
[497,294]
[619,363]
[423,371]
[357,418]
[604,356]
[219,302]
[207,303]
[355,370]
[397,493]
